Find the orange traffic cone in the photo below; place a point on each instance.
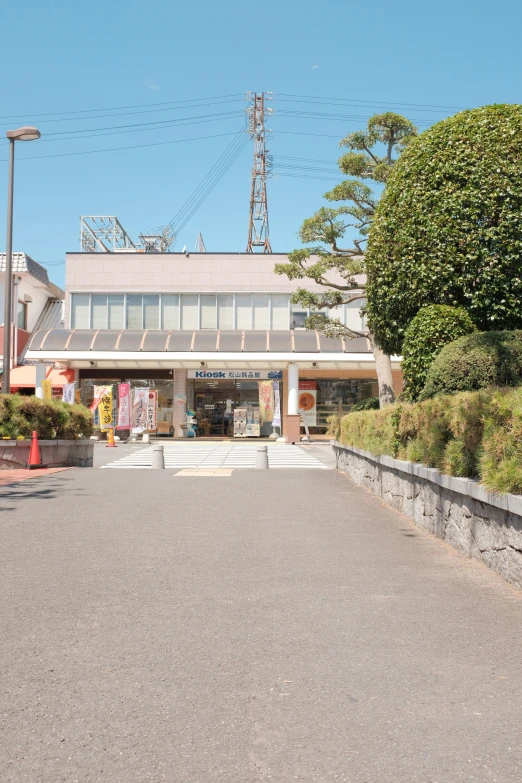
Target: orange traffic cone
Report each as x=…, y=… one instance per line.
x=110, y=440
x=35, y=459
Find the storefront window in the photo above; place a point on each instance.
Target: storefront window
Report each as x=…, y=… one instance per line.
x=338, y=396
x=165, y=397
x=216, y=401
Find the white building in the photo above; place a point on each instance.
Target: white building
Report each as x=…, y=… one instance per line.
x=36, y=303
x=202, y=329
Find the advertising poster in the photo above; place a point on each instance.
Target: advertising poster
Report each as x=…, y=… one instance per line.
x=123, y=406
x=105, y=410
x=47, y=389
x=266, y=400
x=152, y=411
x=139, y=410
x=308, y=402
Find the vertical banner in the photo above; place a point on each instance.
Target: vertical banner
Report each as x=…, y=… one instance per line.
x=123, y=406
x=68, y=393
x=105, y=410
x=47, y=390
x=308, y=402
x=99, y=391
x=139, y=410
x=152, y=411
x=266, y=400
x=276, y=421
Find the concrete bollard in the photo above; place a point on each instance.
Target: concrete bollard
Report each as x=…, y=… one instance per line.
x=262, y=458
x=158, y=456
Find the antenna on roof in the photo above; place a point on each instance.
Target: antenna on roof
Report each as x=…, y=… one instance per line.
x=200, y=245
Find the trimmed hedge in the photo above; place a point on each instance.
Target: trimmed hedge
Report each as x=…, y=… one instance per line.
x=476, y=362
x=432, y=328
x=447, y=228
x=471, y=434
x=20, y=415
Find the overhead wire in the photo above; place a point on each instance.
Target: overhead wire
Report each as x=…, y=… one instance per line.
x=117, y=149
x=209, y=182
x=117, y=108
x=372, y=102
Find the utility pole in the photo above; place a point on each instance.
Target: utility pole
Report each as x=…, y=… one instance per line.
x=258, y=232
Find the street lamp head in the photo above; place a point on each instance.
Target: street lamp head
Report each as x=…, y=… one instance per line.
x=26, y=133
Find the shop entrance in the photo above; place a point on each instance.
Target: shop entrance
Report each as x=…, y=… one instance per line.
x=216, y=401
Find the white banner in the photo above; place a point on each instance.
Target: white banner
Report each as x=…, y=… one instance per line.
x=152, y=409
x=139, y=410
x=276, y=421
x=68, y=393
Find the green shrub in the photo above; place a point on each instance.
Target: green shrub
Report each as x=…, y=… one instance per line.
x=20, y=415
x=470, y=434
x=371, y=404
x=432, y=328
x=475, y=362
x=447, y=228
x=334, y=426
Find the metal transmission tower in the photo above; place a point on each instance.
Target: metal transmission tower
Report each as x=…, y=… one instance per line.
x=258, y=232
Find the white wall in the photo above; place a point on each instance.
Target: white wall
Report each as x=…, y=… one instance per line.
x=31, y=287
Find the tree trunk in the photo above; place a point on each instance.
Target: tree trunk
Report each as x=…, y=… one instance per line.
x=384, y=374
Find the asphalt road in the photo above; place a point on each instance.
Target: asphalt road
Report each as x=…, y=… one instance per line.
x=271, y=626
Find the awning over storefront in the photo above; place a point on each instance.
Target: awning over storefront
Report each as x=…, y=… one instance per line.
x=147, y=348
x=24, y=377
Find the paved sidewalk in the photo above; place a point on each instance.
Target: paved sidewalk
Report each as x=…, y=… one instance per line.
x=271, y=626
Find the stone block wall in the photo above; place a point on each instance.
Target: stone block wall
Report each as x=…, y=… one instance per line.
x=480, y=524
x=54, y=453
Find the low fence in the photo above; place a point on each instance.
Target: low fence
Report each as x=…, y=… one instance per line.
x=55, y=453
x=480, y=524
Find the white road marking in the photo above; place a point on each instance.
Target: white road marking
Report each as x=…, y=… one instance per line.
x=222, y=455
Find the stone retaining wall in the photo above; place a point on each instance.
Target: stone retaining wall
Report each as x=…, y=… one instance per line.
x=55, y=453
x=480, y=524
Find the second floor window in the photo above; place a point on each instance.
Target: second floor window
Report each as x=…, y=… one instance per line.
x=258, y=311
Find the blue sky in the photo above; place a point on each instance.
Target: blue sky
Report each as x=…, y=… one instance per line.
x=71, y=57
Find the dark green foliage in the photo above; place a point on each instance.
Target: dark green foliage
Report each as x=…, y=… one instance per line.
x=448, y=228
x=475, y=362
x=20, y=415
x=472, y=434
x=371, y=404
x=433, y=327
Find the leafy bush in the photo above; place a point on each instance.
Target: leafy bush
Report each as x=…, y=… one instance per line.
x=471, y=434
x=334, y=426
x=371, y=404
x=476, y=362
x=20, y=415
x=446, y=230
x=433, y=327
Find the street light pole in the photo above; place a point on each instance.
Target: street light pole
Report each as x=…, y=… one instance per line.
x=6, y=375
x=22, y=134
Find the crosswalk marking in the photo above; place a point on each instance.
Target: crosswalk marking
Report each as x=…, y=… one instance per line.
x=223, y=455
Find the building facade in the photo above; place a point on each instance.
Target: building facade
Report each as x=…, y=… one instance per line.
x=37, y=303
x=203, y=330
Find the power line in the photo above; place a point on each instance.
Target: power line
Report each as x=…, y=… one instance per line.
x=208, y=183
x=116, y=149
x=145, y=111
x=167, y=123
x=117, y=108
x=309, y=160
x=311, y=115
x=371, y=102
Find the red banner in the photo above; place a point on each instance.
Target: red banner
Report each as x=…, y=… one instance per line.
x=123, y=406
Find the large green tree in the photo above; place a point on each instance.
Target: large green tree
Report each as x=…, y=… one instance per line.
x=448, y=229
x=338, y=264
